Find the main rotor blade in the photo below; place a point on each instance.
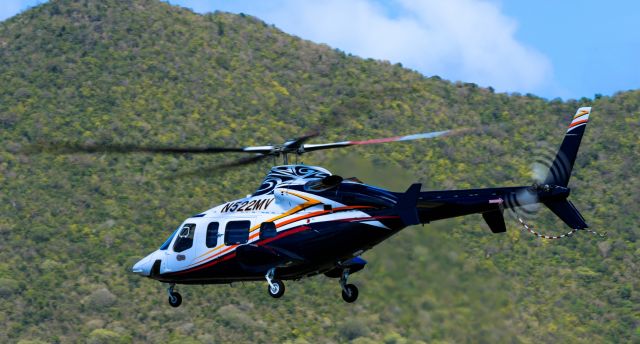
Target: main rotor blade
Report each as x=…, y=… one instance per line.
x=71, y=148
x=296, y=143
x=430, y=135
x=208, y=170
x=243, y=161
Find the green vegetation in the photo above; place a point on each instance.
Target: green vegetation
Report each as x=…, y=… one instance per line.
x=145, y=72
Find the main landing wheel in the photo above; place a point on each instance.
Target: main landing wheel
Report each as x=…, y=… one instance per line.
x=350, y=293
x=175, y=299
x=276, y=288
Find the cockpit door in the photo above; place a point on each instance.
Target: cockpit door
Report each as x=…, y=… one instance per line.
x=183, y=249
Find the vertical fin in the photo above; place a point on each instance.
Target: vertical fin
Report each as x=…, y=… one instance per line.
x=568, y=213
x=407, y=205
x=560, y=171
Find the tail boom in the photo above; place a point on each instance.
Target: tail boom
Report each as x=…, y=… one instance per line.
x=491, y=202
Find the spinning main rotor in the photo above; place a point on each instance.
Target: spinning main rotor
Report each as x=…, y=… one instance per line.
x=295, y=146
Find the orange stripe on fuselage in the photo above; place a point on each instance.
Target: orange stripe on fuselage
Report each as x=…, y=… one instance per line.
x=220, y=258
x=281, y=224
x=309, y=203
x=319, y=213
x=215, y=255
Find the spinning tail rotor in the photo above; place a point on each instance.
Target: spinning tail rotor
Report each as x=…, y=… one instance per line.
x=525, y=204
x=550, y=187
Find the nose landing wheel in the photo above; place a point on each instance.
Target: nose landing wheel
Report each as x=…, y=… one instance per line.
x=175, y=299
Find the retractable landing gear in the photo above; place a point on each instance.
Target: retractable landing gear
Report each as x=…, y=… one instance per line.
x=275, y=287
x=349, y=291
x=175, y=299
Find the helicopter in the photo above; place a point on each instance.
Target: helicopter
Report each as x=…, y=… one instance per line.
x=304, y=221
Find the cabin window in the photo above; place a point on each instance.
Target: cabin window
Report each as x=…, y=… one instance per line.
x=268, y=230
x=236, y=232
x=185, y=238
x=212, y=234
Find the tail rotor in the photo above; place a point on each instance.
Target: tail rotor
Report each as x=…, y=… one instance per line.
x=551, y=175
x=525, y=204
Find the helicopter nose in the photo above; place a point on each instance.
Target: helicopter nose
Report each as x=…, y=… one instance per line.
x=142, y=267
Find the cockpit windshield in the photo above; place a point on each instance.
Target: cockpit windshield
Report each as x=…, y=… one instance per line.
x=165, y=245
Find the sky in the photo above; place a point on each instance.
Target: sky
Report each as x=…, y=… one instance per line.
x=553, y=49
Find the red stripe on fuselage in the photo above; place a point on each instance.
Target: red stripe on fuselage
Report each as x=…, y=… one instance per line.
x=223, y=257
x=283, y=235
x=278, y=225
x=211, y=263
x=233, y=254
x=322, y=212
x=363, y=219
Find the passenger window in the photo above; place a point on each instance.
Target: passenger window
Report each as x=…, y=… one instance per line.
x=236, y=232
x=185, y=238
x=267, y=230
x=212, y=234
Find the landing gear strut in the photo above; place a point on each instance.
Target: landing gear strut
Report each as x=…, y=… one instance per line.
x=175, y=299
x=349, y=291
x=276, y=286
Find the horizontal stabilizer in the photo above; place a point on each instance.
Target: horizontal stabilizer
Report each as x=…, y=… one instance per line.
x=568, y=213
x=495, y=220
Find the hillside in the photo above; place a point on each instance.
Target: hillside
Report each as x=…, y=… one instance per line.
x=145, y=72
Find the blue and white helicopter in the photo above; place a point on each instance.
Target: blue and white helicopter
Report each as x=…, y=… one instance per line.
x=303, y=220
